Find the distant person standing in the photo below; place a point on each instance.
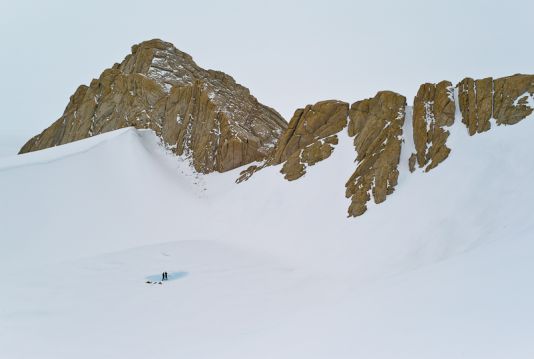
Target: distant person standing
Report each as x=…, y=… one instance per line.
x=163, y=276
x=166, y=276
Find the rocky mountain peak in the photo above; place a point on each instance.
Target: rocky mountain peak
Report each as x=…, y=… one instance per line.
x=201, y=114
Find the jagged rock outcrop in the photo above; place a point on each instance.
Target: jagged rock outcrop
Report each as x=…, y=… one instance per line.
x=376, y=125
x=203, y=114
x=433, y=112
x=482, y=102
x=308, y=139
x=504, y=100
x=513, y=98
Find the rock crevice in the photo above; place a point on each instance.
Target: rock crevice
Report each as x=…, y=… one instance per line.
x=433, y=113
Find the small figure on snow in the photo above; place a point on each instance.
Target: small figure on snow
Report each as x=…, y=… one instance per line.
x=163, y=276
x=166, y=276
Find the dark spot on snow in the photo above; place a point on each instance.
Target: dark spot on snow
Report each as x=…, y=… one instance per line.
x=170, y=276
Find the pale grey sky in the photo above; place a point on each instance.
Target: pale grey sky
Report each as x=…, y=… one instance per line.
x=288, y=53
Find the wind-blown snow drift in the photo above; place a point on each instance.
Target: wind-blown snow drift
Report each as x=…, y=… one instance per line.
x=273, y=268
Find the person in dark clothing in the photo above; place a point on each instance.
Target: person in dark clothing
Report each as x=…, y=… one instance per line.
x=163, y=276
x=166, y=276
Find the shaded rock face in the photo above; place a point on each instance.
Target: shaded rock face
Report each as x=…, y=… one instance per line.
x=202, y=114
x=433, y=112
x=504, y=100
x=376, y=125
x=309, y=138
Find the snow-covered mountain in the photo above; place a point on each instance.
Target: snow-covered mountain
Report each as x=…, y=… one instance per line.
x=160, y=165
x=206, y=117
x=266, y=268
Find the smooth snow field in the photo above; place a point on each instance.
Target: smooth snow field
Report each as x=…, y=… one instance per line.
x=267, y=268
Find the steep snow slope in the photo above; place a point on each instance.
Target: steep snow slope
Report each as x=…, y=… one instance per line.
x=267, y=268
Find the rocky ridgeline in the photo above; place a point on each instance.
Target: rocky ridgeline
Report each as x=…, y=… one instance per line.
x=376, y=125
x=207, y=117
x=202, y=114
x=482, y=103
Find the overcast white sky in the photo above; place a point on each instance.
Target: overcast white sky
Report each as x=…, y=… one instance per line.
x=288, y=53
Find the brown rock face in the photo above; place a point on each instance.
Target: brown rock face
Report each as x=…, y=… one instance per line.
x=511, y=96
x=475, y=99
x=433, y=112
x=308, y=139
x=504, y=99
x=203, y=114
x=310, y=136
x=376, y=125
